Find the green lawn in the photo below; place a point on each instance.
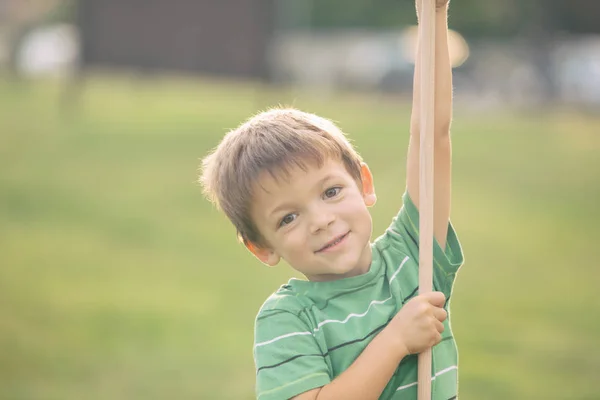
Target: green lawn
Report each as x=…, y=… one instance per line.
x=119, y=281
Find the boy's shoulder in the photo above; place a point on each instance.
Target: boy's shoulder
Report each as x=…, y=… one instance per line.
x=285, y=299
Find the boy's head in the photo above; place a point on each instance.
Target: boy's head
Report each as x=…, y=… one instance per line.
x=292, y=184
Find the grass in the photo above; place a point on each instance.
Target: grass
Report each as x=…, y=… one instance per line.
x=118, y=281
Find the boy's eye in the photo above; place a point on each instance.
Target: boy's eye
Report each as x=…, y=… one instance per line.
x=332, y=192
x=288, y=219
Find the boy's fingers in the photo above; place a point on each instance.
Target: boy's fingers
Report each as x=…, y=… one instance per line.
x=440, y=314
x=435, y=298
x=439, y=326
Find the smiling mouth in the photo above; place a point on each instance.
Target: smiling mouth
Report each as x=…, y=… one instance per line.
x=333, y=243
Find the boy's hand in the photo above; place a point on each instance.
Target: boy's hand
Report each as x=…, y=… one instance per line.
x=439, y=5
x=418, y=325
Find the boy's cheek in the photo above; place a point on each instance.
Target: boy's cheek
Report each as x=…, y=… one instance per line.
x=355, y=209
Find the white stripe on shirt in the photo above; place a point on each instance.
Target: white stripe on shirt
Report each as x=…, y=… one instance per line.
x=281, y=337
x=399, y=268
x=442, y=372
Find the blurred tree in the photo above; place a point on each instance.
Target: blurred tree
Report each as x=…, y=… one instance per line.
x=579, y=16
x=539, y=24
x=362, y=13
x=476, y=18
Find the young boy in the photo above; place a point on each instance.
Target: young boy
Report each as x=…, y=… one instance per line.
x=296, y=189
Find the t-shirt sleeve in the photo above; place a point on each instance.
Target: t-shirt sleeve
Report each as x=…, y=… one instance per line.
x=445, y=262
x=287, y=356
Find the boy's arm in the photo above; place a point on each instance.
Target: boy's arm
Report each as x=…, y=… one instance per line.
x=368, y=375
x=443, y=117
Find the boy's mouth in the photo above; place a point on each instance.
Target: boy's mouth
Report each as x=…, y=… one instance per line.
x=333, y=243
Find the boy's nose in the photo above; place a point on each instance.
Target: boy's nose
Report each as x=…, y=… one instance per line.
x=321, y=220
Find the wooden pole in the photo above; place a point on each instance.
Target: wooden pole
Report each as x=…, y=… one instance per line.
x=427, y=90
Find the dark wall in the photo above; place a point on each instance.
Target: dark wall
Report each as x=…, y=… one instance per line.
x=223, y=37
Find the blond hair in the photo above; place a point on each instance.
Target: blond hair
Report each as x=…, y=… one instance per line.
x=273, y=141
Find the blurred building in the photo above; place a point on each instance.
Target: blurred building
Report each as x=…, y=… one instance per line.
x=224, y=37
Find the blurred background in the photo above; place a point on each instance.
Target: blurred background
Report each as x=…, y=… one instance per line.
x=119, y=281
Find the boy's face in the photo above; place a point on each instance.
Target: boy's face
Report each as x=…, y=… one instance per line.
x=317, y=220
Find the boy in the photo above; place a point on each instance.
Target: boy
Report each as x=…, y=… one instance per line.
x=295, y=189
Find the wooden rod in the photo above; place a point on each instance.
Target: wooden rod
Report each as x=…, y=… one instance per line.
x=427, y=90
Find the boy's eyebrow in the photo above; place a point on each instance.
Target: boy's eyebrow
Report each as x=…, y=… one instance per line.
x=279, y=208
x=287, y=204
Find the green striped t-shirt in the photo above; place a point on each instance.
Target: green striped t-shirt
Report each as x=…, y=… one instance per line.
x=308, y=333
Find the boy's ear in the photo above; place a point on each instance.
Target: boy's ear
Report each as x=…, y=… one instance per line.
x=265, y=255
x=368, y=188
